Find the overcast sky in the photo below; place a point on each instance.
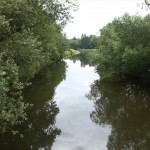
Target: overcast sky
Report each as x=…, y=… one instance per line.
x=94, y=14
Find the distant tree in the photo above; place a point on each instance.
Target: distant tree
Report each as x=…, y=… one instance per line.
x=85, y=42
x=94, y=40
x=74, y=43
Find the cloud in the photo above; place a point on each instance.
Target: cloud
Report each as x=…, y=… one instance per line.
x=94, y=14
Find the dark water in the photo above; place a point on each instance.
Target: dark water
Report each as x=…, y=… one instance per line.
x=73, y=110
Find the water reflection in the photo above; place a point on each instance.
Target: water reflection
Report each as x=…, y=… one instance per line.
x=78, y=132
x=83, y=58
x=39, y=131
x=126, y=109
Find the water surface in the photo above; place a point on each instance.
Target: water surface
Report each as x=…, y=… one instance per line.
x=74, y=110
x=78, y=130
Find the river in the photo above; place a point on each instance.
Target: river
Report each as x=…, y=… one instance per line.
x=74, y=110
x=78, y=130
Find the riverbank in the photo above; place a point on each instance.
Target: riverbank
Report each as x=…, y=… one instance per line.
x=71, y=52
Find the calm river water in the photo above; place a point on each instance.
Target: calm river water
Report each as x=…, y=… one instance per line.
x=73, y=110
x=78, y=130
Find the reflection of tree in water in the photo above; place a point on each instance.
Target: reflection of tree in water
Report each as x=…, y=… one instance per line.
x=39, y=130
x=84, y=59
x=126, y=108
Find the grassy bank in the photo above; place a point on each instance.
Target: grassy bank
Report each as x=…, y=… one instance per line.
x=70, y=53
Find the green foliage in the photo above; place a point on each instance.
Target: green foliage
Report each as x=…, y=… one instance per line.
x=125, y=49
x=39, y=131
x=12, y=108
x=30, y=37
x=70, y=53
x=74, y=43
x=86, y=42
x=24, y=49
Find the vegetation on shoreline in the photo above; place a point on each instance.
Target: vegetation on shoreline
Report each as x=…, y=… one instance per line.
x=71, y=52
x=30, y=37
x=124, y=51
x=85, y=42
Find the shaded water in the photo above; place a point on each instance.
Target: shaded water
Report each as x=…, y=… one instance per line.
x=73, y=110
x=39, y=130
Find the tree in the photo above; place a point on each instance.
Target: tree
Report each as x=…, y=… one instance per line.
x=85, y=42
x=30, y=37
x=124, y=48
x=12, y=107
x=94, y=42
x=39, y=131
x=74, y=43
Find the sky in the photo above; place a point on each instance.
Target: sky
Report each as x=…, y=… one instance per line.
x=92, y=15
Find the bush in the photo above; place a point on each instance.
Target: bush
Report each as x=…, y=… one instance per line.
x=124, y=50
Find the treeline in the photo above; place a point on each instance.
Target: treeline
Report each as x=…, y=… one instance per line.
x=85, y=42
x=30, y=37
x=124, y=51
